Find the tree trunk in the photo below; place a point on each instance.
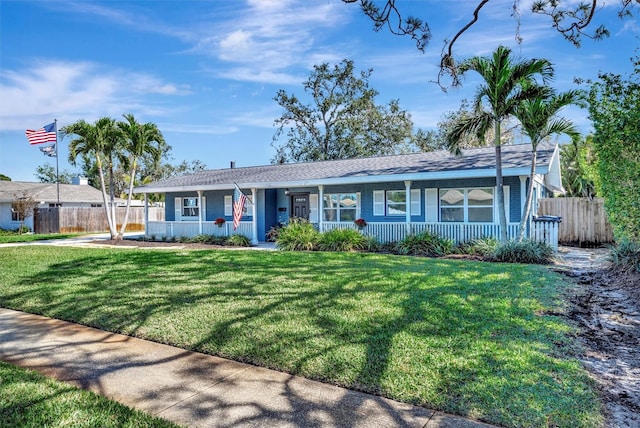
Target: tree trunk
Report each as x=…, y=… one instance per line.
x=527, y=205
x=499, y=185
x=110, y=219
x=126, y=212
x=112, y=197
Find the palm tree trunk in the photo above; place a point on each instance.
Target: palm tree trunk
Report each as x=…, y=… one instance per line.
x=110, y=219
x=527, y=205
x=126, y=212
x=499, y=184
x=112, y=196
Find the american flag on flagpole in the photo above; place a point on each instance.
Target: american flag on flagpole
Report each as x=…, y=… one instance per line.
x=238, y=206
x=46, y=134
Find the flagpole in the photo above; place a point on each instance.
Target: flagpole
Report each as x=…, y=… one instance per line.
x=55, y=126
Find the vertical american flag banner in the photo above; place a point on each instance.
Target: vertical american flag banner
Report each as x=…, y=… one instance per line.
x=238, y=206
x=46, y=134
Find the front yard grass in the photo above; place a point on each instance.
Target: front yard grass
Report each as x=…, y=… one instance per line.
x=12, y=237
x=28, y=399
x=475, y=339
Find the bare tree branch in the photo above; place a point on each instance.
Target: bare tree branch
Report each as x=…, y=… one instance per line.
x=572, y=21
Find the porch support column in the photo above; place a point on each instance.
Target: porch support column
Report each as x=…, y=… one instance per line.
x=407, y=187
x=200, y=212
x=254, y=216
x=146, y=215
x=319, y=207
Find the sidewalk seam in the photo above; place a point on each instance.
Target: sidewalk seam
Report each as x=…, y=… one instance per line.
x=206, y=388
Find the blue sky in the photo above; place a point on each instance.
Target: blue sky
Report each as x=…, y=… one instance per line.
x=206, y=72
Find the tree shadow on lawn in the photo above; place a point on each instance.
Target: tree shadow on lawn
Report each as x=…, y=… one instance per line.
x=435, y=333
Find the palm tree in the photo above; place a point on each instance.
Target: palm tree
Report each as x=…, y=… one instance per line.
x=506, y=83
x=539, y=120
x=96, y=142
x=140, y=140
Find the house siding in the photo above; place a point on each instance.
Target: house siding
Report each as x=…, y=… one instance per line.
x=367, y=190
x=273, y=205
x=214, y=205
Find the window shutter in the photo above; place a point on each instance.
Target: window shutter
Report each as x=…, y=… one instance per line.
x=178, y=208
x=204, y=208
x=431, y=205
x=228, y=205
x=416, y=201
x=507, y=204
x=313, y=208
x=378, y=202
x=358, y=205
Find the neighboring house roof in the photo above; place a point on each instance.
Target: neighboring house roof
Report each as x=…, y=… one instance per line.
x=441, y=164
x=47, y=192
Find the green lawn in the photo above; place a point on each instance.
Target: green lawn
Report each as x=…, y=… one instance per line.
x=11, y=237
x=464, y=337
x=28, y=399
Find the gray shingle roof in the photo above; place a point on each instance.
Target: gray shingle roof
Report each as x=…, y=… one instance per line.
x=47, y=192
x=415, y=165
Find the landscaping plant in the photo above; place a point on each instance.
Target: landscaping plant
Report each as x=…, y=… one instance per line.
x=425, y=244
x=238, y=241
x=298, y=235
x=626, y=255
x=525, y=251
x=343, y=240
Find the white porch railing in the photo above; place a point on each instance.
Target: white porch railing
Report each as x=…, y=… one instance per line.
x=188, y=229
x=459, y=232
x=385, y=232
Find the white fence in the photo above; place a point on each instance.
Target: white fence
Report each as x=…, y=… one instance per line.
x=545, y=231
x=186, y=229
x=459, y=232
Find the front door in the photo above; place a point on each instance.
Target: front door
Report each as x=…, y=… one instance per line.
x=300, y=206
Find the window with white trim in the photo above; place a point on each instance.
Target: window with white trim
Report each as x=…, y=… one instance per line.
x=394, y=202
x=190, y=207
x=473, y=205
x=341, y=206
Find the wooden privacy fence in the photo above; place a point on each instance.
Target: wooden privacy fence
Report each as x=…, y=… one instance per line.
x=584, y=220
x=85, y=219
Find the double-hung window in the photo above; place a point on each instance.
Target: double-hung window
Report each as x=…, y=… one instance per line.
x=474, y=205
x=340, y=206
x=190, y=207
x=394, y=202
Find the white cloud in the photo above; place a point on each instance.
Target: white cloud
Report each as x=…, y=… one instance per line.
x=73, y=90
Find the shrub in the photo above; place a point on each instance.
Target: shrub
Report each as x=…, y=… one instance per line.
x=238, y=241
x=525, y=251
x=483, y=247
x=273, y=232
x=626, y=255
x=199, y=239
x=387, y=247
x=373, y=245
x=425, y=244
x=342, y=240
x=298, y=235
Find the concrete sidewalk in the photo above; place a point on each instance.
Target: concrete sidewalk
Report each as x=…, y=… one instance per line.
x=194, y=389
